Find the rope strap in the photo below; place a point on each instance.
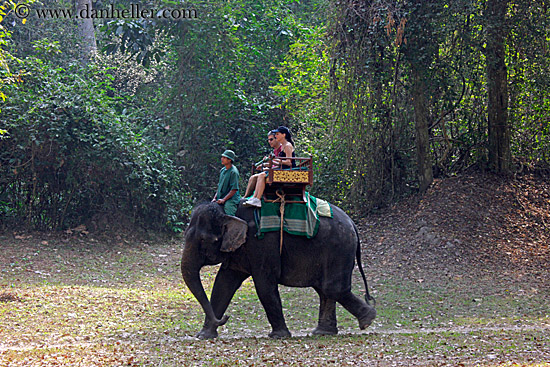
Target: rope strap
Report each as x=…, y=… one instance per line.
x=281, y=200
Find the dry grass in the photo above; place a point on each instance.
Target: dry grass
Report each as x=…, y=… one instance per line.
x=79, y=301
x=93, y=304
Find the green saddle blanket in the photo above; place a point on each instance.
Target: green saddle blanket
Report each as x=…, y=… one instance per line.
x=299, y=218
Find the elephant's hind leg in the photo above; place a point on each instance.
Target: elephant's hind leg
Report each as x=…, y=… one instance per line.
x=268, y=294
x=364, y=312
x=327, y=316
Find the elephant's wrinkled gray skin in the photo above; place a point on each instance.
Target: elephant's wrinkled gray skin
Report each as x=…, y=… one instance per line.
x=325, y=263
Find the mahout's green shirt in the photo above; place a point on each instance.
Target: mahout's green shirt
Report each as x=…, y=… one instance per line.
x=229, y=180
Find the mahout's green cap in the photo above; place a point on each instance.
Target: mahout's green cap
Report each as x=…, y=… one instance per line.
x=229, y=154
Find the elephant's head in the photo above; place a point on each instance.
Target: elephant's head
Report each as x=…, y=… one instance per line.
x=209, y=239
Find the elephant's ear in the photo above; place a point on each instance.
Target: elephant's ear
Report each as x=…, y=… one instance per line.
x=234, y=233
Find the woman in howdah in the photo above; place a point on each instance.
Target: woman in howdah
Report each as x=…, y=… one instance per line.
x=284, y=137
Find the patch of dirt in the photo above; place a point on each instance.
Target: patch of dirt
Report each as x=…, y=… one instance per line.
x=8, y=297
x=474, y=224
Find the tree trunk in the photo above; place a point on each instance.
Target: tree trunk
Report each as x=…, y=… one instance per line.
x=500, y=156
x=420, y=51
x=86, y=30
x=423, y=159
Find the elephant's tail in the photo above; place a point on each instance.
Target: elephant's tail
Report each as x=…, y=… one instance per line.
x=368, y=297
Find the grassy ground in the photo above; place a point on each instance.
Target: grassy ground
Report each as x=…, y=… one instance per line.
x=84, y=302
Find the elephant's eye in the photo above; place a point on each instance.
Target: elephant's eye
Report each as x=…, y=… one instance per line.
x=209, y=239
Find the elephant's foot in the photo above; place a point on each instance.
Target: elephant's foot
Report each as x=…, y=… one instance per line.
x=210, y=328
x=325, y=330
x=280, y=334
x=366, y=320
x=207, y=333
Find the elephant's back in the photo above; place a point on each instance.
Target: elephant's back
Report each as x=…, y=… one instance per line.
x=335, y=231
x=338, y=230
x=326, y=257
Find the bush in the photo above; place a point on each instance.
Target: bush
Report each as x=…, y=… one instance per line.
x=72, y=155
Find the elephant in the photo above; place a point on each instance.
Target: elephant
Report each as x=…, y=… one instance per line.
x=324, y=262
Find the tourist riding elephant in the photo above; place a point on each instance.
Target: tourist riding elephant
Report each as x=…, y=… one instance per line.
x=324, y=262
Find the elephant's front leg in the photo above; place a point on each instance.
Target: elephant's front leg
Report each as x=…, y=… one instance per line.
x=226, y=284
x=268, y=293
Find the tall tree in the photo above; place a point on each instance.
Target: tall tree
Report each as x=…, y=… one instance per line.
x=423, y=157
x=86, y=30
x=420, y=52
x=496, y=29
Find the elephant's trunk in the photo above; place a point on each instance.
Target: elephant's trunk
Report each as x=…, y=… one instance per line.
x=190, y=270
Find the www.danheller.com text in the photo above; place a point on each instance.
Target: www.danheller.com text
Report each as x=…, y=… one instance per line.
x=135, y=11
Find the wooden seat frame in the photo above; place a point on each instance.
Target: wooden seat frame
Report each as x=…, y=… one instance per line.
x=290, y=182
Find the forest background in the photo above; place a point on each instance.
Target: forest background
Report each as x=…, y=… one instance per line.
x=124, y=120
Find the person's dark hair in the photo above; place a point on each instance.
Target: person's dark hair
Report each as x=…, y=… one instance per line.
x=286, y=131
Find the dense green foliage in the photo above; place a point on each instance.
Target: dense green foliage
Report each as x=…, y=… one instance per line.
x=73, y=154
x=528, y=59
x=137, y=133
x=359, y=105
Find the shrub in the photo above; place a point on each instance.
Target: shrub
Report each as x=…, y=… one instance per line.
x=73, y=155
